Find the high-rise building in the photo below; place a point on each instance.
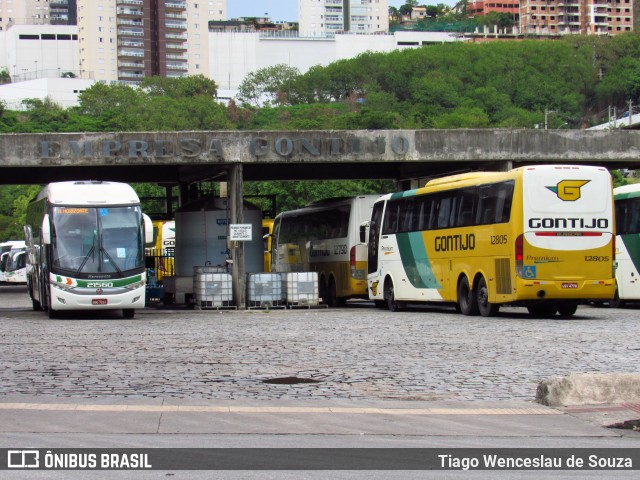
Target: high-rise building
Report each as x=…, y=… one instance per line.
x=128, y=40
x=36, y=12
x=600, y=17
x=327, y=17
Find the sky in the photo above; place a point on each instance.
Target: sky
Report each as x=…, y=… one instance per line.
x=283, y=10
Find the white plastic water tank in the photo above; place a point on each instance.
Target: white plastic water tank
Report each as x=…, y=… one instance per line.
x=264, y=290
x=301, y=288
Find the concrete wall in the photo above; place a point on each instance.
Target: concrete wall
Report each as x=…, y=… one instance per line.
x=30, y=59
x=63, y=91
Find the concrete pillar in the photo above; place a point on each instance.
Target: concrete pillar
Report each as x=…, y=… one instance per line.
x=168, y=189
x=506, y=166
x=236, y=212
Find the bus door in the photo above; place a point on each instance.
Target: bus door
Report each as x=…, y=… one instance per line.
x=372, y=257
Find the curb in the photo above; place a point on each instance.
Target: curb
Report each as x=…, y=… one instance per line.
x=589, y=389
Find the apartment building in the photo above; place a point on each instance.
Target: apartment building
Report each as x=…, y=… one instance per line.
x=599, y=17
x=482, y=7
x=328, y=17
x=36, y=12
x=127, y=40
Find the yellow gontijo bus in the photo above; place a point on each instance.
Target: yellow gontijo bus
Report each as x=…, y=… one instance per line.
x=267, y=230
x=540, y=237
x=324, y=237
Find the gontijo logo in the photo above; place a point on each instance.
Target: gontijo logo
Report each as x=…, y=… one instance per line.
x=568, y=190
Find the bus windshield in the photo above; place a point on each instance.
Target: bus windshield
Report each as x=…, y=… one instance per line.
x=97, y=239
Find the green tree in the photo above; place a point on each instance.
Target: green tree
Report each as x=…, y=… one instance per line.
x=4, y=76
x=115, y=106
x=181, y=87
x=269, y=85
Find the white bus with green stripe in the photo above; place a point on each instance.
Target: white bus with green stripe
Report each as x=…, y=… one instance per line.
x=627, y=207
x=85, y=248
x=540, y=237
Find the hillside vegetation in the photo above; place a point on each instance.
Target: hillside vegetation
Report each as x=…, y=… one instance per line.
x=571, y=83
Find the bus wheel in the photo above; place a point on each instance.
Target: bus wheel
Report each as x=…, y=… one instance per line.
x=332, y=298
x=486, y=309
x=128, y=313
x=392, y=303
x=615, y=302
x=567, y=309
x=467, y=298
x=35, y=304
x=324, y=294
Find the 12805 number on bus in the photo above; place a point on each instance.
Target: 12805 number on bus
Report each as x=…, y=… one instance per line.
x=498, y=239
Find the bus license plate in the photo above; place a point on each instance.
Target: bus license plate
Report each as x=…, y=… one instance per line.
x=570, y=285
x=99, y=301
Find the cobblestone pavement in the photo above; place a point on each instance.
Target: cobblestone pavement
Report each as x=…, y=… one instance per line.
x=357, y=352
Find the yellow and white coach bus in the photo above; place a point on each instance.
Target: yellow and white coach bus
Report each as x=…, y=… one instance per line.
x=85, y=248
x=540, y=237
x=324, y=237
x=627, y=207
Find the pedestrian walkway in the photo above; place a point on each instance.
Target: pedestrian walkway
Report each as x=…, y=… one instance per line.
x=170, y=416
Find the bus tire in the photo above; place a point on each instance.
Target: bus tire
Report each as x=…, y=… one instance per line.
x=392, y=303
x=324, y=294
x=467, y=300
x=485, y=308
x=128, y=313
x=35, y=304
x=567, y=309
x=615, y=302
x=332, y=296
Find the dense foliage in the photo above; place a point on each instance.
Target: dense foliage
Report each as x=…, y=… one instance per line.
x=452, y=85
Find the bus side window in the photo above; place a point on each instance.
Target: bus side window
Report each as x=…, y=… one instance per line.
x=505, y=195
x=409, y=219
x=445, y=211
x=391, y=218
x=465, y=215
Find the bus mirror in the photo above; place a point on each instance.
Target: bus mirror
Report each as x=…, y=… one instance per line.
x=148, y=230
x=363, y=232
x=46, y=230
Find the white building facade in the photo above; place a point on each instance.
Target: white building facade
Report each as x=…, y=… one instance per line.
x=233, y=55
x=328, y=17
x=29, y=52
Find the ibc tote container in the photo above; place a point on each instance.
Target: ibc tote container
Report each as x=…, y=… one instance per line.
x=264, y=290
x=301, y=288
x=212, y=288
